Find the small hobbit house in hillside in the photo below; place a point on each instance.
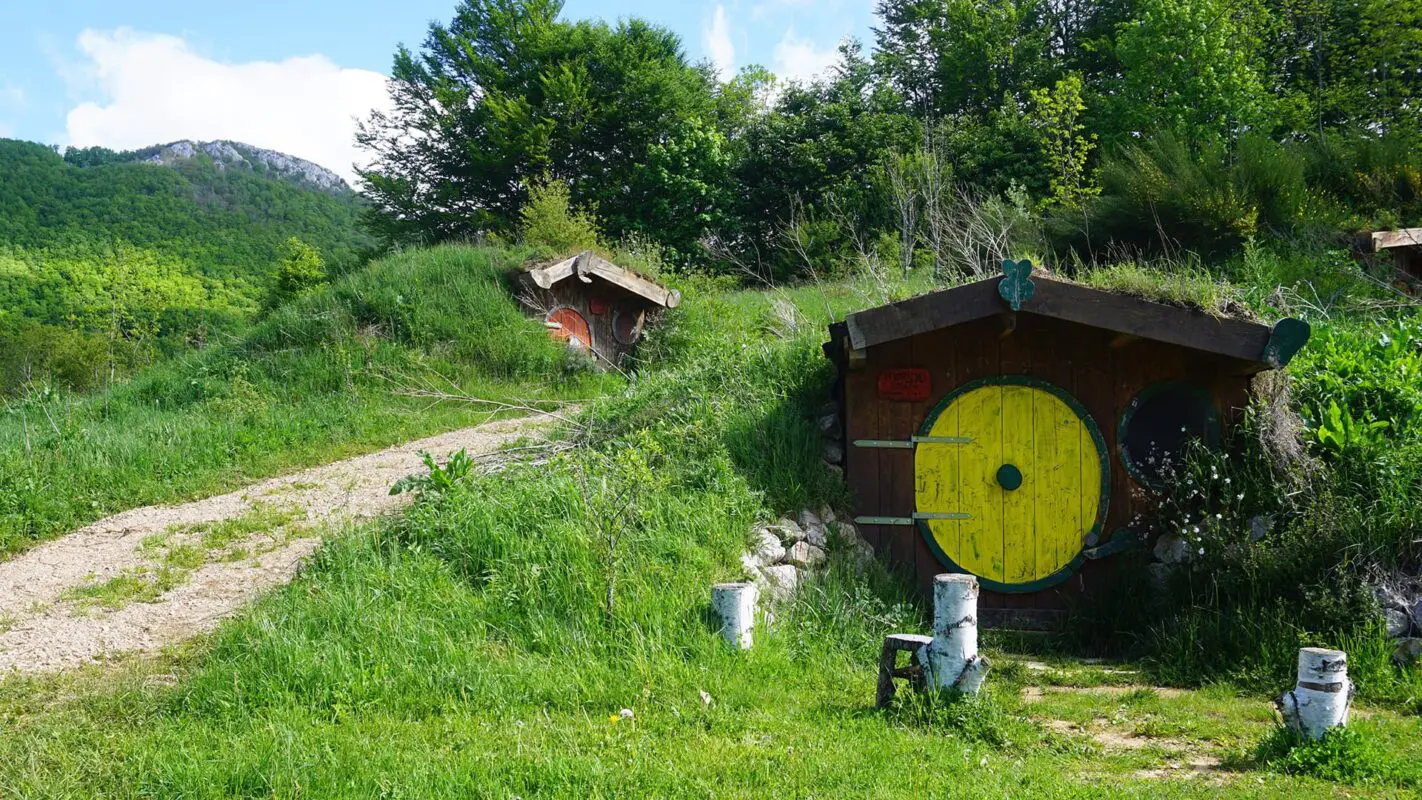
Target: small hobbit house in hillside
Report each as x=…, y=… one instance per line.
x=1405, y=248
x=594, y=305
x=1015, y=428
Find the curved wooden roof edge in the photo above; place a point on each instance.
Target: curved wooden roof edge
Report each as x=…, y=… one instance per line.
x=587, y=264
x=1135, y=316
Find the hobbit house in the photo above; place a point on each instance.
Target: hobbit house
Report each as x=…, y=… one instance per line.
x=1015, y=428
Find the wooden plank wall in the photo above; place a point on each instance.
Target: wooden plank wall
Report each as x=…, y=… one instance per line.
x=1078, y=358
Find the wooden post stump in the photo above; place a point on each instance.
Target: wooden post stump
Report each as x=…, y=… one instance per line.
x=951, y=660
x=735, y=605
x=1321, y=698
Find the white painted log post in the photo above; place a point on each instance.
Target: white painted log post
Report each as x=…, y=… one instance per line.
x=735, y=604
x=1320, y=700
x=951, y=660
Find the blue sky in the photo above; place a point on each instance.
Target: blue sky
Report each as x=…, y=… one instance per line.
x=292, y=74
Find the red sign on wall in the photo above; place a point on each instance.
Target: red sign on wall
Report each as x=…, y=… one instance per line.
x=912, y=385
x=598, y=306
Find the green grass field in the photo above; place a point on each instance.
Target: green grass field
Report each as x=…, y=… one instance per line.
x=384, y=671
x=318, y=380
x=487, y=642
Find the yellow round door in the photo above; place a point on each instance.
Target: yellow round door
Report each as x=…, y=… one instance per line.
x=1011, y=480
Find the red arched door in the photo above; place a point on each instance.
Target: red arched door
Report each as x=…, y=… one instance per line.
x=566, y=324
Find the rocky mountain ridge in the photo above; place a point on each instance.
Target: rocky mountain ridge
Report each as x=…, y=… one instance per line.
x=228, y=154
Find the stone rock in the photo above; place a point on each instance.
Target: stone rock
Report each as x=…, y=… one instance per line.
x=245, y=157
x=835, y=470
x=751, y=563
x=829, y=427
x=1417, y=614
x=788, y=531
x=780, y=581
x=767, y=548
x=827, y=514
x=1259, y=526
x=805, y=555
x=834, y=452
x=863, y=554
x=815, y=531
x=1390, y=597
x=1408, y=651
x=826, y=409
x=818, y=536
x=1158, y=576
x=1399, y=624
x=1172, y=549
x=845, y=534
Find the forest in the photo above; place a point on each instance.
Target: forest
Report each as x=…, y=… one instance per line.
x=1073, y=130
x=107, y=264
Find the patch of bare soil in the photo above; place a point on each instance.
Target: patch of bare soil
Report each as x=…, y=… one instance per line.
x=1032, y=694
x=43, y=627
x=1183, y=760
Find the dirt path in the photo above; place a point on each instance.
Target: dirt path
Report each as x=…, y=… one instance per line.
x=153, y=576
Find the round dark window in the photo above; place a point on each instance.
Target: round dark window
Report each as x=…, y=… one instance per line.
x=627, y=326
x=1158, y=426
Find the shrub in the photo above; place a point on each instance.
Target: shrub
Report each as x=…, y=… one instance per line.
x=300, y=271
x=548, y=220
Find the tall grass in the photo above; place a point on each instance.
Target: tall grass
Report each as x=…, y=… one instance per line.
x=470, y=648
x=319, y=379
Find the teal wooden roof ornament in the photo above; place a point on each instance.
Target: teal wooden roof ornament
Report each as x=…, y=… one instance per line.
x=1016, y=286
x=1285, y=341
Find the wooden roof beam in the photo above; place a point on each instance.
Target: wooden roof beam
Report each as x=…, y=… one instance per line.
x=1122, y=314
x=588, y=264
x=1378, y=241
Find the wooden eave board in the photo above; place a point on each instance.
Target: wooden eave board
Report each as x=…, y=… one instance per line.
x=1185, y=327
x=630, y=281
x=589, y=264
x=1388, y=240
x=545, y=277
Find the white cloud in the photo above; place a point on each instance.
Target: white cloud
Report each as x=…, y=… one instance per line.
x=156, y=89
x=716, y=38
x=799, y=59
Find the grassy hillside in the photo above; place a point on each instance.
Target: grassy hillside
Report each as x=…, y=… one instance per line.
x=224, y=223
x=108, y=265
x=469, y=649
x=319, y=379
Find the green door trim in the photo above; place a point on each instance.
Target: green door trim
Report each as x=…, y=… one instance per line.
x=1103, y=507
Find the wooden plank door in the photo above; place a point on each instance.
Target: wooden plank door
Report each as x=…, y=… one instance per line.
x=1011, y=480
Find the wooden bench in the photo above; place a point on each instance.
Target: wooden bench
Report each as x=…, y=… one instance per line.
x=889, y=668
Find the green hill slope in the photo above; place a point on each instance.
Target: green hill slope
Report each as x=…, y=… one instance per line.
x=320, y=378
x=497, y=641
x=222, y=222
x=110, y=261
